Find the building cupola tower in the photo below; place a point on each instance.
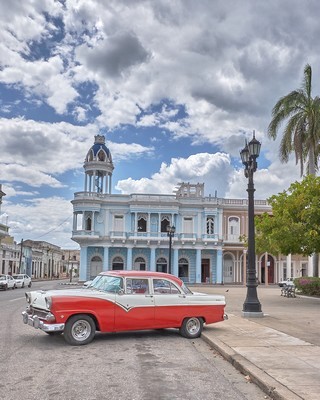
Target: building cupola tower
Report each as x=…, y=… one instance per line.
x=98, y=167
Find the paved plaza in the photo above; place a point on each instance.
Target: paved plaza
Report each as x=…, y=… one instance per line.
x=281, y=351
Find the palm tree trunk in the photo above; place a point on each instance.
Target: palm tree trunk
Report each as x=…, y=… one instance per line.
x=312, y=171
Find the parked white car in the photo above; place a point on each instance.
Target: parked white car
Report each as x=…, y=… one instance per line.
x=7, y=282
x=22, y=280
x=288, y=281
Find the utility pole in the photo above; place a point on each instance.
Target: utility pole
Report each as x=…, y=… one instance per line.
x=70, y=269
x=20, y=258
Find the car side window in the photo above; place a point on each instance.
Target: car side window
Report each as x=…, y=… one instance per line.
x=162, y=286
x=137, y=286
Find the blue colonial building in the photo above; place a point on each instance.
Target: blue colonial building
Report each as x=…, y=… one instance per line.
x=117, y=231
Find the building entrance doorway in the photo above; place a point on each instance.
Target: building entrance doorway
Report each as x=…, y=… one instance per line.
x=205, y=270
x=95, y=266
x=270, y=269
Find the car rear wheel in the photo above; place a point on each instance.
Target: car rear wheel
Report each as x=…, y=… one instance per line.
x=5, y=287
x=22, y=285
x=29, y=284
x=191, y=328
x=79, y=330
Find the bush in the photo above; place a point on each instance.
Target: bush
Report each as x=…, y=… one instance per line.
x=308, y=285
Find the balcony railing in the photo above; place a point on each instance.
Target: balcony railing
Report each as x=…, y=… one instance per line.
x=83, y=232
x=148, y=235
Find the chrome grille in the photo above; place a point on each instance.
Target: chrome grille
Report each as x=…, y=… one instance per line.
x=38, y=312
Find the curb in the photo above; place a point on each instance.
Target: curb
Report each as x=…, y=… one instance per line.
x=269, y=385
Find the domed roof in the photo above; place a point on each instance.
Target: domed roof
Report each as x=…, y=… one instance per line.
x=99, y=151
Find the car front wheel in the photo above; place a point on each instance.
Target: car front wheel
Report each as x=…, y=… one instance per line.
x=79, y=330
x=191, y=328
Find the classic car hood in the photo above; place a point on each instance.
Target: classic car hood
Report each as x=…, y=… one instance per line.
x=38, y=297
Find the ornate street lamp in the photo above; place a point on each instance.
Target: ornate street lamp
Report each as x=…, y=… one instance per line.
x=170, y=232
x=249, y=155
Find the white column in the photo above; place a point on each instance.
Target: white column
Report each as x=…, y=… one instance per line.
x=152, y=266
x=110, y=183
x=289, y=266
x=310, y=266
x=198, y=266
x=105, y=259
x=219, y=267
x=83, y=264
x=175, y=266
x=129, y=258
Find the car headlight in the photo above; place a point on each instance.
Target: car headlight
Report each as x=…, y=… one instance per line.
x=28, y=297
x=48, y=302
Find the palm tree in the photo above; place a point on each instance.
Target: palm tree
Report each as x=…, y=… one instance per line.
x=302, y=131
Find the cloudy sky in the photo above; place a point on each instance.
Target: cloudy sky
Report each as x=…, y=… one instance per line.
x=176, y=86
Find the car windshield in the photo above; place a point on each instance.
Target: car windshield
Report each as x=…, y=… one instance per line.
x=111, y=284
x=185, y=289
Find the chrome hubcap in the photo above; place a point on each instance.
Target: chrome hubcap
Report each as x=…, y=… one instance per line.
x=193, y=326
x=81, y=330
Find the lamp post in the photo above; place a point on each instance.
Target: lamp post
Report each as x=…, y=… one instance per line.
x=170, y=232
x=249, y=155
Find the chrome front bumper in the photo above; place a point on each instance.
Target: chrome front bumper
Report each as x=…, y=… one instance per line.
x=37, y=323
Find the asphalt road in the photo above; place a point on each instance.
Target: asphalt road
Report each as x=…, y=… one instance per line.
x=146, y=365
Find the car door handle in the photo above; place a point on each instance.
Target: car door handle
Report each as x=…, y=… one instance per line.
x=182, y=296
x=149, y=295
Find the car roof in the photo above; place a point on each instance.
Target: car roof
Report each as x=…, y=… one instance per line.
x=142, y=274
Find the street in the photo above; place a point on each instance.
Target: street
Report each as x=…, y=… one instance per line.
x=138, y=365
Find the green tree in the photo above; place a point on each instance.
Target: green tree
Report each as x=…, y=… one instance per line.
x=301, y=112
x=294, y=226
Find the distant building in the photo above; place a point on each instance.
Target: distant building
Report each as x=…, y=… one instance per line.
x=70, y=262
x=45, y=258
x=4, y=229
x=9, y=256
x=117, y=231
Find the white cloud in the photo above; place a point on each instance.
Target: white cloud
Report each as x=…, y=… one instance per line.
x=212, y=169
x=40, y=219
x=219, y=69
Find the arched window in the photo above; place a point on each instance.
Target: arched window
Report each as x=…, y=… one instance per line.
x=210, y=225
x=88, y=224
x=184, y=269
x=90, y=156
x=162, y=265
x=234, y=229
x=117, y=263
x=164, y=223
x=101, y=155
x=139, y=264
x=142, y=224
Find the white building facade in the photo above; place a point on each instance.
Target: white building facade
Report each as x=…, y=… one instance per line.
x=117, y=231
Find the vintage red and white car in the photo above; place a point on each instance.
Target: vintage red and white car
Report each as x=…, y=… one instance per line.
x=118, y=301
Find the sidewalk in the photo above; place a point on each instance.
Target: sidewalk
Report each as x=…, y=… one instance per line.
x=286, y=367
